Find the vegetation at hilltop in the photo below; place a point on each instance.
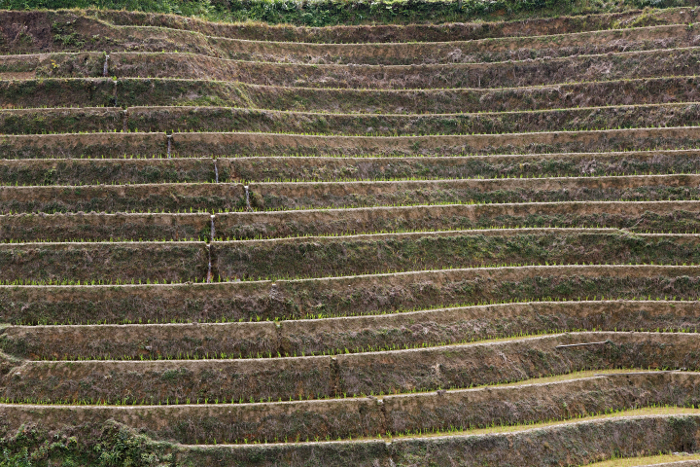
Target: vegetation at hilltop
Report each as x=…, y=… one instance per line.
x=343, y=12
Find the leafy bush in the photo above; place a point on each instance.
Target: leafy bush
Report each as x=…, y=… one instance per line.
x=108, y=445
x=333, y=12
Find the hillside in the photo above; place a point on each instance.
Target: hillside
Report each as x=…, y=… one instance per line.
x=349, y=234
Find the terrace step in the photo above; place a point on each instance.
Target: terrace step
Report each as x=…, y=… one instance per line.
x=635, y=216
x=86, y=227
x=204, y=119
x=319, y=168
x=106, y=171
x=307, y=257
x=105, y=262
x=88, y=34
x=483, y=446
x=236, y=144
x=330, y=336
x=393, y=415
x=224, y=197
x=596, y=436
x=672, y=216
x=322, y=377
x=388, y=33
x=74, y=31
x=34, y=172
x=121, y=145
x=373, y=254
x=341, y=296
x=583, y=68
x=130, y=92
x=279, y=196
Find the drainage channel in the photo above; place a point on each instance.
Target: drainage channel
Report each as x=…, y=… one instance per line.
x=211, y=240
x=247, y=199
x=212, y=219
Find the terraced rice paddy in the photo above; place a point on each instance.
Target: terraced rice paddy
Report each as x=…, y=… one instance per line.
x=429, y=245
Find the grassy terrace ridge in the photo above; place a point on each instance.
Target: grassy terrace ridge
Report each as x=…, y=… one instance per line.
x=244, y=144
x=178, y=262
x=65, y=303
x=334, y=336
x=623, y=65
x=297, y=168
x=73, y=33
x=231, y=197
x=387, y=33
x=633, y=216
x=166, y=382
x=395, y=416
x=104, y=171
x=596, y=437
x=319, y=168
x=495, y=75
x=224, y=119
x=57, y=93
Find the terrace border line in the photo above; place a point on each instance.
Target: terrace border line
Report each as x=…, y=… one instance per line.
x=207, y=119
x=352, y=374
x=391, y=33
x=290, y=299
x=261, y=196
x=393, y=414
x=217, y=46
x=223, y=144
x=192, y=261
x=265, y=169
x=634, y=64
x=245, y=144
x=433, y=327
x=58, y=93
